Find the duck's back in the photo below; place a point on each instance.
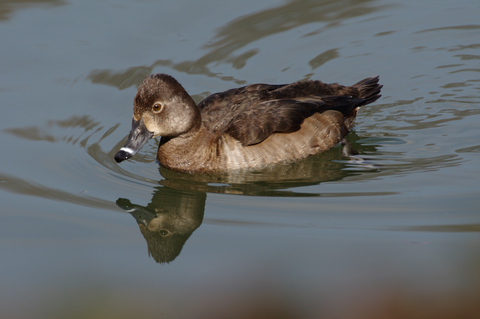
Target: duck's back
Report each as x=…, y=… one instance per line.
x=252, y=113
x=220, y=108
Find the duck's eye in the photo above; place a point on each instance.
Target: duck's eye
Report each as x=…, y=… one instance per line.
x=164, y=232
x=157, y=107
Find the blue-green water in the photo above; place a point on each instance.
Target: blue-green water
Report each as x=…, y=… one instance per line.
x=394, y=233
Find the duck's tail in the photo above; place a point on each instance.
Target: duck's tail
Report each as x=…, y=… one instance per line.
x=369, y=89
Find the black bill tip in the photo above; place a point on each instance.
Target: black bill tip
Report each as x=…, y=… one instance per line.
x=123, y=154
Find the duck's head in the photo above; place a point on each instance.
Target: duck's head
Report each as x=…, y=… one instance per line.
x=161, y=107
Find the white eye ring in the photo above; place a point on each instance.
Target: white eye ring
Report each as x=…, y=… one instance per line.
x=157, y=107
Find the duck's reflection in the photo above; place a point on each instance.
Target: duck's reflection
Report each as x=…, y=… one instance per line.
x=168, y=221
x=178, y=203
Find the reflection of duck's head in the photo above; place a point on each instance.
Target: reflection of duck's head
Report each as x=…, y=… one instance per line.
x=165, y=235
x=168, y=220
x=247, y=127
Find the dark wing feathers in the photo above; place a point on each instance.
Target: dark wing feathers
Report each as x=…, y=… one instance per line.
x=343, y=104
x=252, y=113
x=219, y=109
x=283, y=116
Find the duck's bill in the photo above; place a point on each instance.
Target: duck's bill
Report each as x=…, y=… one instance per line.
x=139, y=135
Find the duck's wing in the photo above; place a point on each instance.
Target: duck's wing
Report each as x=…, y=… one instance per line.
x=255, y=124
x=219, y=109
x=252, y=113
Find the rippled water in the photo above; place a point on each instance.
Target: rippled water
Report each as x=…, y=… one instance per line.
x=391, y=233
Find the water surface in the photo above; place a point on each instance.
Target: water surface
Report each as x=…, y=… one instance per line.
x=394, y=232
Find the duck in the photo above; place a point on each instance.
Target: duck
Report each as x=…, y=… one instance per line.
x=243, y=128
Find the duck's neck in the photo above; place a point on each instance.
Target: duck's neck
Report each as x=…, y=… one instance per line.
x=195, y=150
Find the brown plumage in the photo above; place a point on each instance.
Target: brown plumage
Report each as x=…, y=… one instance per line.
x=246, y=127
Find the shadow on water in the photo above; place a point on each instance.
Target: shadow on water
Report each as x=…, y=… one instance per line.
x=231, y=38
x=21, y=186
x=8, y=7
